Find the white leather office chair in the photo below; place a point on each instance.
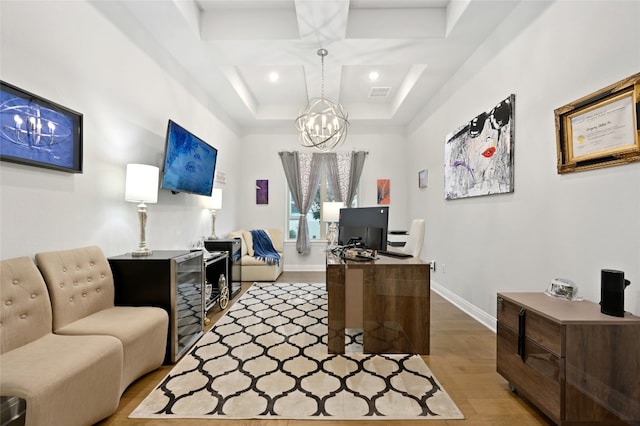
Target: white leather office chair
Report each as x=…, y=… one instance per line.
x=416, y=238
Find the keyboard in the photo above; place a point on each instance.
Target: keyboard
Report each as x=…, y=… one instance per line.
x=394, y=254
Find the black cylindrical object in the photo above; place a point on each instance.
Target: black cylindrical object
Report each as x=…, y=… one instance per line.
x=612, y=285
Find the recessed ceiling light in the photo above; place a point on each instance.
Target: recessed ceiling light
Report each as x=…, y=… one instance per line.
x=273, y=76
x=374, y=75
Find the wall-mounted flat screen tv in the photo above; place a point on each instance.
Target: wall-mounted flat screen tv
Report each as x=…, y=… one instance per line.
x=189, y=162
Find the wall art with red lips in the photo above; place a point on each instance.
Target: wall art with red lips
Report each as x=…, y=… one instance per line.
x=479, y=154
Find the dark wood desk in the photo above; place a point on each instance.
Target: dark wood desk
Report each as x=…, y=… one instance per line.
x=389, y=298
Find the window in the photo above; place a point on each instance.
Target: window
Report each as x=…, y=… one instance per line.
x=324, y=193
x=317, y=228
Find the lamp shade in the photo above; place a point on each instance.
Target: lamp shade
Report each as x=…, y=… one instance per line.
x=331, y=211
x=141, y=183
x=215, y=202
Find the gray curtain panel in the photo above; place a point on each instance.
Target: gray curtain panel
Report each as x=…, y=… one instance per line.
x=303, y=245
x=357, y=164
x=291, y=168
x=302, y=172
x=292, y=173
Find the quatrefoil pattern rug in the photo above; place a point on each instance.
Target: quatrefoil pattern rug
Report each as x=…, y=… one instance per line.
x=267, y=358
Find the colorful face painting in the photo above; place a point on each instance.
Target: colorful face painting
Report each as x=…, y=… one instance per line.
x=479, y=155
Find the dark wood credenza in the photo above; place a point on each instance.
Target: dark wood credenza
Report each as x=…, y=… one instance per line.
x=577, y=365
x=388, y=298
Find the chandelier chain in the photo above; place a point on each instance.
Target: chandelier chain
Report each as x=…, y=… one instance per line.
x=322, y=76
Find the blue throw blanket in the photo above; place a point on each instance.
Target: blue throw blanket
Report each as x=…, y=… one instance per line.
x=263, y=248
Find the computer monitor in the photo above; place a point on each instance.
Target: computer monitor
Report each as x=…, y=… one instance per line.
x=366, y=225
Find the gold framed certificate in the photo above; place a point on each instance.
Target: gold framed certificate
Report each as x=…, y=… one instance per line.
x=601, y=129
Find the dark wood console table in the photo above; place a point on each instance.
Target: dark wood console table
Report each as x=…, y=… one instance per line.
x=388, y=298
x=577, y=365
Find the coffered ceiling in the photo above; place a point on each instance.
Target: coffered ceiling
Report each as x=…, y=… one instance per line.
x=224, y=51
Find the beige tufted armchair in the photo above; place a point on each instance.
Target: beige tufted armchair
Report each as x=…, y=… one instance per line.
x=65, y=380
x=81, y=288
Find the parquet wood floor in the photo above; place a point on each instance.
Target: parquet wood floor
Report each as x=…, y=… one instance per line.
x=463, y=358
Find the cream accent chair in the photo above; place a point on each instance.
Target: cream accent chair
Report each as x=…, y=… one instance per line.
x=80, y=284
x=254, y=269
x=65, y=380
x=415, y=241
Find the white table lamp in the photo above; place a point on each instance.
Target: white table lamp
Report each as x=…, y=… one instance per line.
x=215, y=203
x=141, y=187
x=331, y=215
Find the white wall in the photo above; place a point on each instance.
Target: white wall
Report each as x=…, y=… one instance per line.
x=553, y=225
x=66, y=52
x=386, y=160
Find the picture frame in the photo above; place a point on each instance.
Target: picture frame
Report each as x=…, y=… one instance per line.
x=221, y=177
x=479, y=154
x=422, y=178
x=383, y=189
x=601, y=129
x=262, y=191
x=37, y=132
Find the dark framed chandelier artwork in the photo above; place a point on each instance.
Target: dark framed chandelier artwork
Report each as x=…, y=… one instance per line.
x=37, y=132
x=479, y=154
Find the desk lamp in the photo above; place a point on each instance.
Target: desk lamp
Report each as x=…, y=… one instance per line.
x=331, y=214
x=141, y=187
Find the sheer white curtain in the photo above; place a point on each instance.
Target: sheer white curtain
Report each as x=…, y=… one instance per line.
x=343, y=174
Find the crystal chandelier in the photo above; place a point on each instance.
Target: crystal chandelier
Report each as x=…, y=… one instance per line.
x=322, y=123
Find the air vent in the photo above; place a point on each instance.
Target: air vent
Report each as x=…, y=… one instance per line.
x=379, y=92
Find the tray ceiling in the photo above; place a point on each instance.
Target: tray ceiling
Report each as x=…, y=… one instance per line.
x=224, y=51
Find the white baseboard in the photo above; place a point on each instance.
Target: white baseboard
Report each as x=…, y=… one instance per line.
x=305, y=268
x=474, y=312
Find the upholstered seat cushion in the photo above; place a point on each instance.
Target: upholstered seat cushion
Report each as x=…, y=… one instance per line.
x=139, y=328
x=261, y=273
x=252, y=261
x=65, y=380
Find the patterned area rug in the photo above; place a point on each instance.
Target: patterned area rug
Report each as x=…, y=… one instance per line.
x=267, y=358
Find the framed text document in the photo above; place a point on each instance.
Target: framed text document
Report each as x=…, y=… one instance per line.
x=601, y=129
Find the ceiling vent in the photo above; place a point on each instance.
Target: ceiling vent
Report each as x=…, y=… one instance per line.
x=379, y=92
